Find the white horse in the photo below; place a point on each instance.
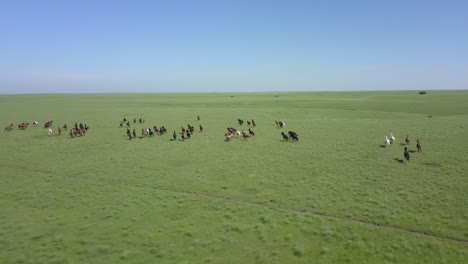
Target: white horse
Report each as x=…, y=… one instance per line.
x=36, y=123
x=49, y=132
x=387, y=141
x=392, y=138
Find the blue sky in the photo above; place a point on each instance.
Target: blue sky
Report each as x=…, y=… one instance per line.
x=223, y=46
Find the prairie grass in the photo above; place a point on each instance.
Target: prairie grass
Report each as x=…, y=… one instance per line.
x=335, y=196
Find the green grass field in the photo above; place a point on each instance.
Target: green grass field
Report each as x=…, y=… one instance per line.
x=336, y=196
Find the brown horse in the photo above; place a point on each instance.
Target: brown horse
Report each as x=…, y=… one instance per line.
x=245, y=135
x=228, y=136
x=419, y=146
x=9, y=127
x=23, y=126
x=48, y=124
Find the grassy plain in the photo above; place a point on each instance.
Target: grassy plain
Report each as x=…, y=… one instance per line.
x=336, y=196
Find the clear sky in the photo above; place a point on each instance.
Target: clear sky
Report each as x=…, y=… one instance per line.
x=232, y=45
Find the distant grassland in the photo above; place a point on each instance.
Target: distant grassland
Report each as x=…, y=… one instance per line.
x=335, y=196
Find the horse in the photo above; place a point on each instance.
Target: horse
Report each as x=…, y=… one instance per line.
x=406, y=154
x=407, y=140
x=392, y=138
x=129, y=134
x=285, y=137
x=294, y=137
x=48, y=124
x=280, y=124
x=49, y=132
x=36, y=123
x=245, y=135
x=293, y=134
x=228, y=136
x=191, y=128
x=9, y=127
x=419, y=146
x=23, y=125
x=387, y=141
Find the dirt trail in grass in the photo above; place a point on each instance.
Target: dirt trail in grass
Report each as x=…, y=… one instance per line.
x=314, y=214
x=277, y=208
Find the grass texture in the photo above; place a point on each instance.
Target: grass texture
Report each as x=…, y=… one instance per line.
x=336, y=196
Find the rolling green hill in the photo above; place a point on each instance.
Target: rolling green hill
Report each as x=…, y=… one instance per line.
x=334, y=196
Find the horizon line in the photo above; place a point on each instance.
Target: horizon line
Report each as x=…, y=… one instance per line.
x=235, y=92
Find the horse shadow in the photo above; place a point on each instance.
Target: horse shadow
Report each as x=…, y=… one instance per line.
x=383, y=146
x=412, y=151
x=402, y=144
x=399, y=160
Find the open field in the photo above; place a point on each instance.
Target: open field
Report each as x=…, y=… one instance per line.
x=336, y=196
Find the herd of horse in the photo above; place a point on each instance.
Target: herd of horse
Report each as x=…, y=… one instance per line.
x=390, y=140
x=78, y=130
x=21, y=126
x=186, y=132
x=245, y=134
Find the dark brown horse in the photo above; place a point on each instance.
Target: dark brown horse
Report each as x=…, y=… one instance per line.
x=23, y=126
x=48, y=124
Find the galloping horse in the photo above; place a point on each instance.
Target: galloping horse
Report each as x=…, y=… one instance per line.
x=48, y=124
x=419, y=146
x=23, y=126
x=245, y=135
x=280, y=124
x=9, y=127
